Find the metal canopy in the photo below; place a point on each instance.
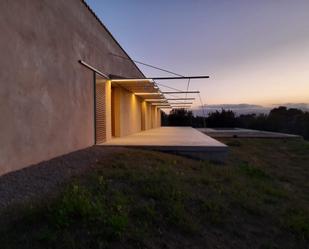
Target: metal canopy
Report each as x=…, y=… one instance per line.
x=147, y=88
x=180, y=103
x=161, y=100
x=144, y=88
x=181, y=99
x=180, y=77
x=181, y=92
x=170, y=78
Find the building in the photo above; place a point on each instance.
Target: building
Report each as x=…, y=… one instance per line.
x=63, y=83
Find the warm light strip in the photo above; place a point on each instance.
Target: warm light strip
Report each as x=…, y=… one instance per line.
x=131, y=80
x=180, y=92
x=181, y=103
x=160, y=105
x=145, y=93
x=157, y=100
x=181, y=106
x=170, y=107
x=182, y=99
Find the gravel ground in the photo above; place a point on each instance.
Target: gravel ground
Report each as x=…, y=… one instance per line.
x=41, y=179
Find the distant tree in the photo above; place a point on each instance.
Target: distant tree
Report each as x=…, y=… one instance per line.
x=252, y=121
x=279, y=119
x=180, y=117
x=199, y=122
x=284, y=120
x=305, y=126
x=164, y=119
x=222, y=119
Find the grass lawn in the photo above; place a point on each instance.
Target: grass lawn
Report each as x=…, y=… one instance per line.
x=141, y=199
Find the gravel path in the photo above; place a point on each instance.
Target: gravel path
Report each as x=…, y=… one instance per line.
x=39, y=180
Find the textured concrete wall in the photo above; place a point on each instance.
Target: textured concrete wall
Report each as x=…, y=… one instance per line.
x=128, y=112
x=155, y=117
x=108, y=110
x=46, y=96
x=158, y=118
x=146, y=115
x=117, y=111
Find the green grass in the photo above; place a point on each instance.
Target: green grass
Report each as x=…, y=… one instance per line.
x=141, y=199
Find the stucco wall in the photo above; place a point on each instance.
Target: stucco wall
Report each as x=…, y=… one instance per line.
x=155, y=117
x=146, y=115
x=158, y=118
x=108, y=110
x=128, y=112
x=46, y=96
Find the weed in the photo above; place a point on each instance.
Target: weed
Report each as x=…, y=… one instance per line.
x=297, y=220
x=213, y=212
x=273, y=191
x=234, y=143
x=76, y=203
x=145, y=212
x=116, y=225
x=253, y=171
x=139, y=198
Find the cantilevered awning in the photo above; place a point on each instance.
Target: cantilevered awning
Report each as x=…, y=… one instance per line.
x=144, y=88
x=147, y=88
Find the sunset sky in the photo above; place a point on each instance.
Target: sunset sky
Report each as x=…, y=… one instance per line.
x=255, y=52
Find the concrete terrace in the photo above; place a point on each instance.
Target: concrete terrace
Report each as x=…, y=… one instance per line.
x=244, y=133
x=181, y=140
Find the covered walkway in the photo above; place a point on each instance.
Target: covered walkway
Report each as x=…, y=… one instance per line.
x=180, y=140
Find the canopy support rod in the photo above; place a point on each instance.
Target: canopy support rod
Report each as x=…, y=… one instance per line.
x=180, y=92
x=181, y=77
x=181, y=99
x=164, y=78
x=180, y=103
x=93, y=69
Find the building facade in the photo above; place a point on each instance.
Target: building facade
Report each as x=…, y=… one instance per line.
x=50, y=103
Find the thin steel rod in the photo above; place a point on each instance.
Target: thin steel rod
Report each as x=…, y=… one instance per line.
x=180, y=103
x=187, y=87
x=172, y=88
x=202, y=110
x=180, y=77
x=174, y=107
x=164, y=78
x=148, y=65
x=93, y=69
x=181, y=92
x=181, y=99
